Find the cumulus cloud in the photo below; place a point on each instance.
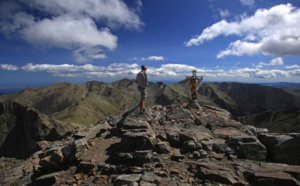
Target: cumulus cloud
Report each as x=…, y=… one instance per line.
x=247, y=2
x=80, y=26
x=224, y=13
x=295, y=72
x=273, y=31
x=292, y=67
x=257, y=73
x=164, y=71
x=150, y=58
x=114, y=13
x=153, y=58
x=274, y=62
x=30, y=67
x=239, y=48
x=67, y=32
x=84, y=54
x=87, y=70
x=8, y=67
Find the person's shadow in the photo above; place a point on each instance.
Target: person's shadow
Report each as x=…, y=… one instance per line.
x=125, y=115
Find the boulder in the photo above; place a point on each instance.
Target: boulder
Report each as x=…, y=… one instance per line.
x=143, y=156
x=189, y=146
x=74, y=149
x=217, y=172
x=272, y=178
x=150, y=177
x=132, y=141
x=176, y=155
x=135, y=124
x=282, y=148
x=163, y=147
x=248, y=147
x=127, y=179
x=174, y=139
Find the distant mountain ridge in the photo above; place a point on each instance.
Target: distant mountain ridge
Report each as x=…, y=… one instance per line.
x=280, y=121
x=280, y=84
x=245, y=99
x=87, y=103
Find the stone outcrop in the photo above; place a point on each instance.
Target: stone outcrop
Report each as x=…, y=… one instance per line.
x=21, y=127
x=282, y=148
x=169, y=145
x=247, y=147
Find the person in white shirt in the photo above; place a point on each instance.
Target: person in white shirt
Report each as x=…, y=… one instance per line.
x=142, y=81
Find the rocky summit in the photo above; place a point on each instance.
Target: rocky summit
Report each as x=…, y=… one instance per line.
x=179, y=144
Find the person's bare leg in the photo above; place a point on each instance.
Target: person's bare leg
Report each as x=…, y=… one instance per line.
x=141, y=105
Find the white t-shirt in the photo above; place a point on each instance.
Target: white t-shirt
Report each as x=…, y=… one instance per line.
x=141, y=79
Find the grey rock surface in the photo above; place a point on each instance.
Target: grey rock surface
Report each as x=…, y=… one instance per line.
x=176, y=144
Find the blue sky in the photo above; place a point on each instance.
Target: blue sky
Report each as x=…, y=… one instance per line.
x=44, y=42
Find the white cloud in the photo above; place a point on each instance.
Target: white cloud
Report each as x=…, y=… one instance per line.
x=259, y=73
x=8, y=67
x=80, y=26
x=274, y=62
x=114, y=13
x=134, y=59
x=239, y=48
x=292, y=67
x=224, y=13
x=277, y=61
x=178, y=67
x=165, y=71
x=150, y=58
x=122, y=66
x=273, y=31
x=295, y=72
x=48, y=67
x=85, y=54
x=154, y=58
x=67, y=32
x=247, y=2
x=222, y=27
x=60, y=68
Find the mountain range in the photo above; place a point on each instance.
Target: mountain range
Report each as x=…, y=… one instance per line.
x=85, y=104
x=93, y=134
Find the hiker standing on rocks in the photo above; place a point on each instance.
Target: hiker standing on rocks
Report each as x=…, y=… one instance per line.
x=142, y=81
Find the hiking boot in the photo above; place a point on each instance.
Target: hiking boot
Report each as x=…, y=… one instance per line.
x=143, y=111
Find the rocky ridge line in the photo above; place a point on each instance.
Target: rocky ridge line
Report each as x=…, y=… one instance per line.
x=171, y=145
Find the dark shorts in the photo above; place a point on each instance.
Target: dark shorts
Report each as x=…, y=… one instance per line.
x=143, y=92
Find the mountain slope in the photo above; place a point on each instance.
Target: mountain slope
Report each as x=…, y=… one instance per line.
x=21, y=127
x=281, y=121
x=245, y=99
x=295, y=90
x=51, y=99
x=75, y=103
x=87, y=103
